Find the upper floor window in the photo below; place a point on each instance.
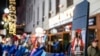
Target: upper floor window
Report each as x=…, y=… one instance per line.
x=37, y=22
x=49, y=8
x=34, y=1
x=43, y=11
x=43, y=19
x=69, y=3
x=37, y=15
x=43, y=8
x=57, y=6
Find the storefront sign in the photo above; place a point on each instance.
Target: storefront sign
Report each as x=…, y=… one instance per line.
x=61, y=18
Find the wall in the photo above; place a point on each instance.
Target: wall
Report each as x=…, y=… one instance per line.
x=28, y=16
x=98, y=28
x=94, y=9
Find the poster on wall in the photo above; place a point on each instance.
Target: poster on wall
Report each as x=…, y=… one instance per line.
x=78, y=41
x=79, y=29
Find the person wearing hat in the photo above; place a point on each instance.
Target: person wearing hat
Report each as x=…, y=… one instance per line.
x=93, y=50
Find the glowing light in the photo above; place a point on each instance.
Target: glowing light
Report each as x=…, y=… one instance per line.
x=6, y=10
x=39, y=31
x=2, y=23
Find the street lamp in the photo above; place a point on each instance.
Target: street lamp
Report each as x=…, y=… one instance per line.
x=2, y=22
x=6, y=10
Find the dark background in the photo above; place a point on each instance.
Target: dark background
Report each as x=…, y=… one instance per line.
x=3, y=5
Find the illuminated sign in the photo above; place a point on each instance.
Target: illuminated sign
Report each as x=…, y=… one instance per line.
x=12, y=14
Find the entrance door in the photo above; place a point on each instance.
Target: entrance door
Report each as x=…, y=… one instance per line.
x=91, y=35
x=56, y=43
x=66, y=39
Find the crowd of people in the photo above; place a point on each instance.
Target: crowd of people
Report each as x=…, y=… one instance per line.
x=24, y=45
x=34, y=45
x=14, y=46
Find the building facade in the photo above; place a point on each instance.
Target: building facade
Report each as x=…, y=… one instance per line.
x=42, y=12
x=58, y=14
x=21, y=11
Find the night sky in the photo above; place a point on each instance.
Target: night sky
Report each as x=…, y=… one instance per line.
x=2, y=7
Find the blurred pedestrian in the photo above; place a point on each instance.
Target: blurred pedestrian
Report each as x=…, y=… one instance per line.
x=1, y=50
x=69, y=48
x=34, y=44
x=56, y=44
x=93, y=50
x=38, y=42
x=22, y=50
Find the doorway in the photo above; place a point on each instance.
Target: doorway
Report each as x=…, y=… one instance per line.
x=91, y=35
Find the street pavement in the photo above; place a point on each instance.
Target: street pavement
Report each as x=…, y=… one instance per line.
x=52, y=54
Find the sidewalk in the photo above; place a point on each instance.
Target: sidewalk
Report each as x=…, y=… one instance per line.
x=51, y=54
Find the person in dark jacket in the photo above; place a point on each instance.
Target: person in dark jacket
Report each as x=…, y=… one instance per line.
x=56, y=46
x=1, y=49
x=93, y=49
